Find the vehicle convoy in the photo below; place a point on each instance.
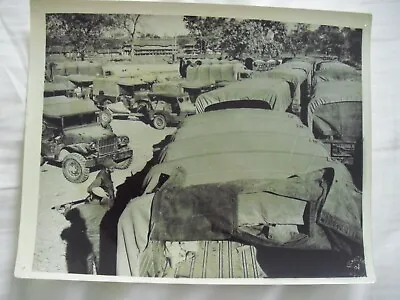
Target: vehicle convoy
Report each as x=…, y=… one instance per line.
x=77, y=136
x=231, y=185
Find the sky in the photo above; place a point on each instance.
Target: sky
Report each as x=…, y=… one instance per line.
x=162, y=25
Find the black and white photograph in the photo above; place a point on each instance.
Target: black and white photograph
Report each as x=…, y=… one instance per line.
x=200, y=147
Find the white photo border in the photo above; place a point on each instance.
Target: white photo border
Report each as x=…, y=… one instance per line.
x=34, y=108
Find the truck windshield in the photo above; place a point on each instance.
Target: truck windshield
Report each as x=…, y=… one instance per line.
x=79, y=120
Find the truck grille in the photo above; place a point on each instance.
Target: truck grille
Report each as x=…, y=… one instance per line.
x=107, y=146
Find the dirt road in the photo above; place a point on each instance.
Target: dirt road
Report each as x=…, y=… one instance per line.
x=55, y=189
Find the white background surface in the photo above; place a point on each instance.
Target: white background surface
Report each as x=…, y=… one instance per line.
x=14, y=40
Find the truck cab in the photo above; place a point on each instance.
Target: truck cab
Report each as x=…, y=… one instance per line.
x=78, y=137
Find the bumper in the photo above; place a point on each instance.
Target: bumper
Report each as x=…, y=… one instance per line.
x=122, y=154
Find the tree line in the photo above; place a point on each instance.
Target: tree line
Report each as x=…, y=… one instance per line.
x=235, y=37
x=263, y=38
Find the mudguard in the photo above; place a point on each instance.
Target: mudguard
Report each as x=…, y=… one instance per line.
x=81, y=148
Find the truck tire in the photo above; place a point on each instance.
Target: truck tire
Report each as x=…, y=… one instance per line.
x=74, y=168
x=159, y=122
x=123, y=164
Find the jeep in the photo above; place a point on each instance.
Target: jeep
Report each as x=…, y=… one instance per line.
x=79, y=137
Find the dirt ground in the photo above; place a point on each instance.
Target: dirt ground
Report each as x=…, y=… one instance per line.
x=55, y=189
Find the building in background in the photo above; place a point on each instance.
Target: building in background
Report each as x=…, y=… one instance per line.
x=161, y=47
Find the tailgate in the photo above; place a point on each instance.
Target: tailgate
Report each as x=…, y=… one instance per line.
x=213, y=259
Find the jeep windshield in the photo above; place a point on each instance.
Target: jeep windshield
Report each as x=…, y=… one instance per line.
x=78, y=120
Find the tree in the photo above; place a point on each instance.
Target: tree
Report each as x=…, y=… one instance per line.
x=299, y=39
x=331, y=40
x=81, y=31
x=205, y=30
x=128, y=22
x=352, y=44
x=237, y=37
x=181, y=41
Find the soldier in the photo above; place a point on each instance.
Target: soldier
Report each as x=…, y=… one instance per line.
x=104, y=182
x=101, y=99
x=85, y=224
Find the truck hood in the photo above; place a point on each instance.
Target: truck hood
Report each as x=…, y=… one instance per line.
x=87, y=134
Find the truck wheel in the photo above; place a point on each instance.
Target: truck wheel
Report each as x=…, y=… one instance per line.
x=159, y=122
x=124, y=164
x=74, y=168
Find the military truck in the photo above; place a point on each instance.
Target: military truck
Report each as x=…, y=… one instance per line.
x=335, y=118
x=190, y=223
x=77, y=137
x=165, y=105
x=54, y=89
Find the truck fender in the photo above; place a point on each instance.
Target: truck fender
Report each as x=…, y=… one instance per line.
x=81, y=148
x=166, y=114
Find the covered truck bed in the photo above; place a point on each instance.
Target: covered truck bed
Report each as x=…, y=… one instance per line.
x=219, y=206
x=275, y=92
x=336, y=109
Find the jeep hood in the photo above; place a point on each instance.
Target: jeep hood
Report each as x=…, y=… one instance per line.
x=87, y=134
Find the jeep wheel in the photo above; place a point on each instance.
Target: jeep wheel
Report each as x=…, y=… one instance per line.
x=123, y=164
x=159, y=122
x=74, y=168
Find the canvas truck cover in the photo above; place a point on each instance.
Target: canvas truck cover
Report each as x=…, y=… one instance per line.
x=336, y=109
x=308, y=59
x=250, y=163
x=242, y=142
x=307, y=67
x=198, y=77
x=294, y=77
x=109, y=85
x=58, y=86
x=219, y=131
x=331, y=71
x=63, y=106
x=77, y=67
x=275, y=92
x=238, y=121
x=90, y=68
x=209, y=74
x=207, y=178
x=79, y=78
x=132, y=81
x=129, y=70
x=168, y=88
x=297, y=64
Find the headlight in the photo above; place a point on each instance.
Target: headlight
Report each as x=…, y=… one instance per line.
x=123, y=140
x=92, y=146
